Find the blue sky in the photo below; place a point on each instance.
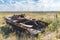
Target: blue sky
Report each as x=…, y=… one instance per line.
x=29, y=5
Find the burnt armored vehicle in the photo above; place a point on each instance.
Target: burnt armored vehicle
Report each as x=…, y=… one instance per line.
x=32, y=26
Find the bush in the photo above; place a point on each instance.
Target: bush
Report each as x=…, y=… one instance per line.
x=54, y=25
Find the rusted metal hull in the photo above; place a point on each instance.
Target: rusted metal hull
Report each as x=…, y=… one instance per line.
x=32, y=26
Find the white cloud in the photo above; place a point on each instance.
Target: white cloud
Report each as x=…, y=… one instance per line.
x=29, y=5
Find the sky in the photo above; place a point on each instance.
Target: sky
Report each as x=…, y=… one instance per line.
x=29, y=5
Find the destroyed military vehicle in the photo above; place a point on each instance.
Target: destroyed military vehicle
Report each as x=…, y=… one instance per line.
x=32, y=26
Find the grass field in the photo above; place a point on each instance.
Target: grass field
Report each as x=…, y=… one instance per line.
x=52, y=32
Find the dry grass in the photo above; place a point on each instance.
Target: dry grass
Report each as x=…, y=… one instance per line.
x=48, y=35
